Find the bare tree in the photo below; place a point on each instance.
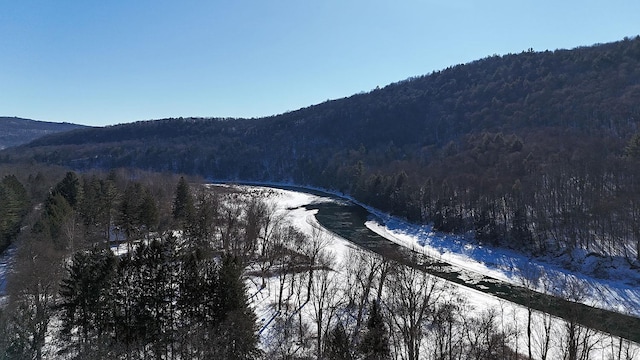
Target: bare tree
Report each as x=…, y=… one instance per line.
x=447, y=330
x=284, y=258
x=529, y=276
x=256, y=213
x=229, y=228
x=578, y=341
x=542, y=326
x=271, y=239
x=622, y=349
x=33, y=290
x=284, y=339
x=326, y=298
x=314, y=249
x=410, y=298
x=363, y=271
x=484, y=340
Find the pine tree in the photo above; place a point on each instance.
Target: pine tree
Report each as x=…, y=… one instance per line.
x=236, y=335
x=98, y=202
x=337, y=346
x=138, y=211
x=69, y=187
x=183, y=208
x=157, y=265
x=375, y=344
x=85, y=293
x=57, y=212
x=192, y=292
x=633, y=147
x=14, y=205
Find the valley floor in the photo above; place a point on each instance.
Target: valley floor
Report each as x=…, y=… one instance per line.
x=618, y=295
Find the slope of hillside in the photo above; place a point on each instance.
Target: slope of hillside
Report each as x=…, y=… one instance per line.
x=533, y=151
x=16, y=131
x=591, y=89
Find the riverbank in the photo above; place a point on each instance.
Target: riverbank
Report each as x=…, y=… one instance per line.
x=497, y=272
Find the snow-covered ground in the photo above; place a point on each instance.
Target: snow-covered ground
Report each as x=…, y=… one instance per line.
x=616, y=295
x=501, y=264
x=621, y=294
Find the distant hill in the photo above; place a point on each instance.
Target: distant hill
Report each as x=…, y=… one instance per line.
x=16, y=131
x=536, y=150
x=593, y=90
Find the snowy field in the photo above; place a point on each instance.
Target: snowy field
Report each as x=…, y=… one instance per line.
x=501, y=264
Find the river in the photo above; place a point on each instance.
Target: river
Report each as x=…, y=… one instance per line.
x=347, y=219
x=6, y=262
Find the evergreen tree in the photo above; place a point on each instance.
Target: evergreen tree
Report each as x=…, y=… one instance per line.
x=183, y=208
x=138, y=211
x=14, y=205
x=192, y=292
x=157, y=266
x=236, y=334
x=205, y=220
x=85, y=294
x=375, y=343
x=69, y=187
x=99, y=202
x=127, y=297
x=632, y=150
x=57, y=212
x=337, y=345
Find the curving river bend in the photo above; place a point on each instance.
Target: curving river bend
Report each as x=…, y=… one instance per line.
x=348, y=219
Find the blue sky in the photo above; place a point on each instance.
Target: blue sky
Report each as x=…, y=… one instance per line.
x=117, y=61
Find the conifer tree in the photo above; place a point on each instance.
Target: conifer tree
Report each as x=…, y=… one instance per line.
x=375, y=344
x=337, y=344
x=57, y=212
x=138, y=211
x=633, y=147
x=14, y=204
x=183, y=208
x=157, y=266
x=236, y=334
x=69, y=187
x=85, y=293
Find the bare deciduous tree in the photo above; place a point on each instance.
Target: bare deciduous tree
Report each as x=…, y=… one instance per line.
x=33, y=290
x=410, y=299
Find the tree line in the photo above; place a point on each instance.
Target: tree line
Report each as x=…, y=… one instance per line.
x=136, y=265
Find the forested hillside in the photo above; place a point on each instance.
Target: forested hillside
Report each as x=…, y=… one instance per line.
x=537, y=151
x=16, y=131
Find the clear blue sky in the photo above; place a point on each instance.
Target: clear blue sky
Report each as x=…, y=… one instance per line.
x=116, y=61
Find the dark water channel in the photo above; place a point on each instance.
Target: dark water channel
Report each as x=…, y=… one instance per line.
x=348, y=220
x=6, y=261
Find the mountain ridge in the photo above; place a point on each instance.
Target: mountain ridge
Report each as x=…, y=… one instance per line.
x=16, y=131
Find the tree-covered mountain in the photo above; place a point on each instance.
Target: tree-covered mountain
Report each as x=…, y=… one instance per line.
x=533, y=150
x=17, y=131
